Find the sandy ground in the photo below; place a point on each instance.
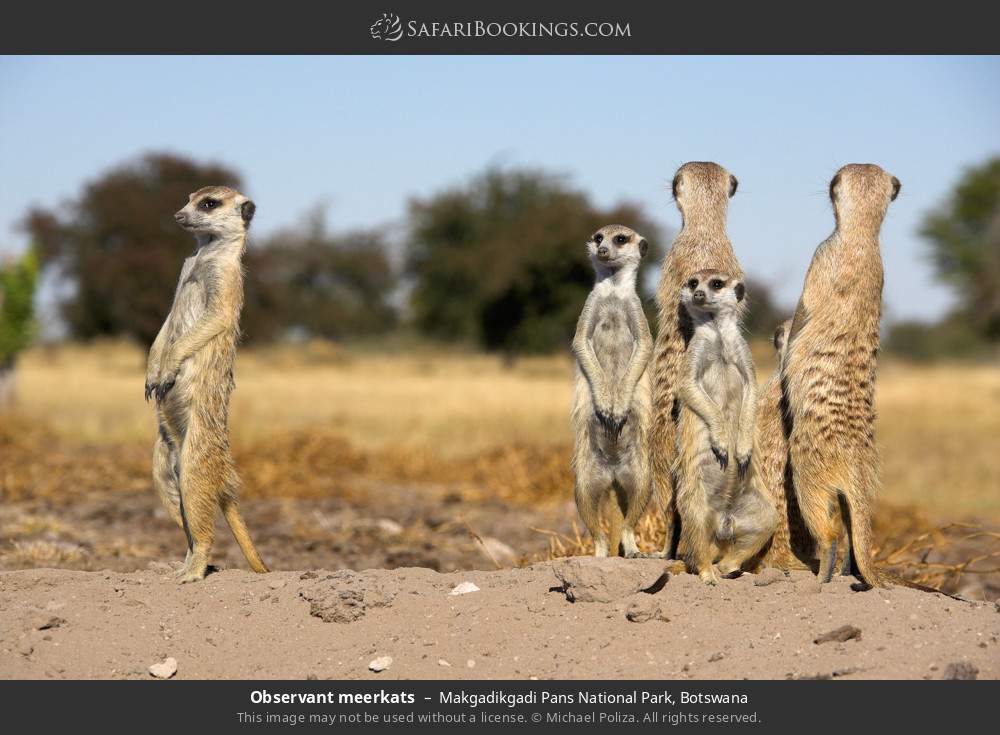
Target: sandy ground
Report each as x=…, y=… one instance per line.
x=570, y=618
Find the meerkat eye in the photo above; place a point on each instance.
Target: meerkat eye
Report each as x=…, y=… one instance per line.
x=621, y=239
x=598, y=238
x=209, y=203
x=693, y=284
x=716, y=284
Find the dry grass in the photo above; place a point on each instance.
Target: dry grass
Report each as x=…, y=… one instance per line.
x=450, y=417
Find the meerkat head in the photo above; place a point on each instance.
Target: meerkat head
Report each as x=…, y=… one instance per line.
x=863, y=187
x=780, y=338
x=702, y=182
x=613, y=247
x=216, y=211
x=712, y=292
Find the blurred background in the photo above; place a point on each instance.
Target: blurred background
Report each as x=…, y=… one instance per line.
x=415, y=270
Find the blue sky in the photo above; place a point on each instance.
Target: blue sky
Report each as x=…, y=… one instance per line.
x=365, y=134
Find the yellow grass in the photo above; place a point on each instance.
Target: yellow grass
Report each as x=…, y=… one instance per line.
x=938, y=426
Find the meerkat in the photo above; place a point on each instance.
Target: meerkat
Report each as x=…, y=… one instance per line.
x=828, y=373
x=611, y=401
x=702, y=192
x=791, y=545
x=190, y=373
x=724, y=516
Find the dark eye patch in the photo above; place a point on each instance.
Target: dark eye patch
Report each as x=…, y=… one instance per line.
x=716, y=284
x=598, y=238
x=693, y=284
x=208, y=204
x=621, y=239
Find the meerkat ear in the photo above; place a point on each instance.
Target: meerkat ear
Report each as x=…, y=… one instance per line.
x=247, y=210
x=675, y=186
x=740, y=290
x=733, y=184
x=643, y=247
x=896, y=186
x=779, y=337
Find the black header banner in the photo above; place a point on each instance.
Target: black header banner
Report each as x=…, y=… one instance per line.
x=512, y=27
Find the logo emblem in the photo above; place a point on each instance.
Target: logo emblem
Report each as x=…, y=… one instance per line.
x=387, y=28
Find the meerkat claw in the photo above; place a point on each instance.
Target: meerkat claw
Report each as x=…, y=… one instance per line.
x=721, y=457
x=742, y=465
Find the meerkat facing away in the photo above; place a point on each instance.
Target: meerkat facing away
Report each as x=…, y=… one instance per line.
x=702, y=191
x=828, y=373
x=190, y=372
x=724, y=516
x=611, y=400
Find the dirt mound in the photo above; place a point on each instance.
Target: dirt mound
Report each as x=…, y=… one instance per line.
x=641, y=620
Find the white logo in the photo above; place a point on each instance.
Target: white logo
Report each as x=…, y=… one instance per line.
x=387, y=28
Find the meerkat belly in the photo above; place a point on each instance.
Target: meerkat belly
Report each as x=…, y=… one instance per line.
x=612, y=339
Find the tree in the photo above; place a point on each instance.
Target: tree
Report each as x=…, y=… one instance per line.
x=964, y=239
x=318, y=284
x=18, y=279
x=501, y=261
x=119, y=245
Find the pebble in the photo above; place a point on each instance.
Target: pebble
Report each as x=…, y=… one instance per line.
x=380, y=664
x=442, y=662
x=165, y=669
x=464, y=588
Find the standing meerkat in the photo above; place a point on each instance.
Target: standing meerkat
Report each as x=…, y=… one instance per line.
x=724, y=516
x=611, y=400
x=828, y=373
x=190, y=371
x=702, y=192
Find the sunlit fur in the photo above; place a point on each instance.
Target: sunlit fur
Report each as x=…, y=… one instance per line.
x=190, y=371
x=611, y=399
x=702, y=192
x=724, y=516
x=791, y=545
x=828, y=374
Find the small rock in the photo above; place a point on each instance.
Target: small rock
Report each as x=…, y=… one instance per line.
x=593, y=579
x=769, y=576
x=165, y=669
x=47, y=622
x=642, y=608
x=25, y=646
x=442, y=662
x=840, y=635
x=715, y=657
x=961, y=671
x=276, y=584
x=380, y=664
x=464, y=588
x=471, y=663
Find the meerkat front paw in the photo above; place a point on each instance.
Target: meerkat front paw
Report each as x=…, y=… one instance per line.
x=743, y=463
x=721, y=455
x=164, y=382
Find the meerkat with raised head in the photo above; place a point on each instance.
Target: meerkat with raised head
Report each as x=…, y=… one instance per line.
x=724, y=516
x=190, y=373
x=702, y=191
x=828, y=373
x=611, y=400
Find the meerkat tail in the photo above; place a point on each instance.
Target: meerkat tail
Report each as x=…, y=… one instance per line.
x=861, y=539
x=231, y=511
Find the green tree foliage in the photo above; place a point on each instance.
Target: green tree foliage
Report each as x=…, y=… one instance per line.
x=313, y=283
x=964, y=239
x=764, y=314
x=18, y=279
x=501, y=261
x=119, y=245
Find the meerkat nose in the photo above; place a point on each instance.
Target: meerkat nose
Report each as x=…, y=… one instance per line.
x=180, y=217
